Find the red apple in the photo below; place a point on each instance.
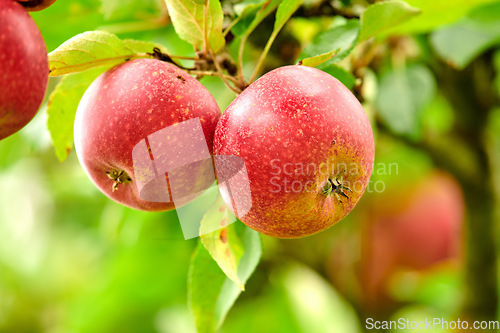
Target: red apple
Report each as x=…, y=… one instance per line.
x=411, y=229
x=24, y=68
x=308, y=149
x=144, y=105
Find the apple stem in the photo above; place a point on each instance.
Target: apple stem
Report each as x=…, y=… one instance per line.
x=118, y=177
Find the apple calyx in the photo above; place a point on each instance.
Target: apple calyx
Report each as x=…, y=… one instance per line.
x=118, y=177
x=334, y=187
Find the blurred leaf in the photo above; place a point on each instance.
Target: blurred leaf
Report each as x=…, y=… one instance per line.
x=270, y=311
x=340, y=74
x=223, y=244
x=190, y=22
x=317, y=307
x=247, y=5
x=211, y=293
x=460, y=43
x=252, y=15
x=402, y=96
x=416, y=313
x=399, y=167
x=62, y=106
x=64, y=13
x=93, y=49
x=126, y=9
x=438, y=287
x=383, y=15
x=319, y=59
x=435, y=13
x=438, y=117
x=343, y=37
x=304, y=29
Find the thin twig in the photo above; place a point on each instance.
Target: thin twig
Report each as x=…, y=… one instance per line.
x=209, y=73
x=263, y=55
x=237, y=90
x=183, y=57
x=240, y=59
x=205, y=27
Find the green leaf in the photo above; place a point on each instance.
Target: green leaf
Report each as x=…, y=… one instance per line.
x=461, y=42
x=284, y=12
x=93, y=49
x=384, y=15
x=223, y=244
x=402, y=96
x=211, y=293
x=130, y=9
x=62, y=106
x=315, y=304
x=140, y=46
x=252, y=15
x=340, y=74
x=343, y=37
x=190, y=22
x=436, y=13
x=319, y=59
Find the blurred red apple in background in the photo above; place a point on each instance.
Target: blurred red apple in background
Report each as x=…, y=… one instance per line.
x=411, y=229
x=24, y=68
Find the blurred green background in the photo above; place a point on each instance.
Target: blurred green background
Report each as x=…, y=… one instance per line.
x=72, y=260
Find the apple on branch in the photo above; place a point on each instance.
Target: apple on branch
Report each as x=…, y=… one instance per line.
x=134, y=102
x=308, y=149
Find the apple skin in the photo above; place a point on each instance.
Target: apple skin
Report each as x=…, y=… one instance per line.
x=24, y=68
x=126, y=104
x=295, y=128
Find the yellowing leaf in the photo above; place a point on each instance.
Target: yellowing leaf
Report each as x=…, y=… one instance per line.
x=319, y=59
x=93, y=49
x=193, y=22
x=223, y=244
x=62, y=106
x=211, y=293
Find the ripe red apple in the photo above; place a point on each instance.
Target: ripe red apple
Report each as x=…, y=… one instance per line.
x=126, y=106
x=308, y=149
x=415, y=229
x=24, y=68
